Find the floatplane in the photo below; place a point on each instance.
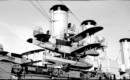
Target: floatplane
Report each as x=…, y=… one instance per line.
x=64, y=45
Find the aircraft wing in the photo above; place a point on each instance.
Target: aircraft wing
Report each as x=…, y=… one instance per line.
x=5, y=58
x=87, y=48
x=31, y=62
x=16, y=55
x=13, y=57
x=42, y=37
x=32, y=51
x=3, y=53
x=45, y=38
x=8, y=61
x=66, y=49
x=51, y=47
x=85, y=33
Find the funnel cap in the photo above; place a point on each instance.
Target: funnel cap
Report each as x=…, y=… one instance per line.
x=62, y=7
x=86, y=22
x=125, y=39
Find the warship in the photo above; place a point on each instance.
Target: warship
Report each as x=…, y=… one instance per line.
x=67, y=54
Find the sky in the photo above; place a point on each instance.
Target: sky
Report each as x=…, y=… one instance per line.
x=19, y=18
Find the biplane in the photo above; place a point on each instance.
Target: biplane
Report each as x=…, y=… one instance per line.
x=58, y=41
x=64, y=46
x=57, y=65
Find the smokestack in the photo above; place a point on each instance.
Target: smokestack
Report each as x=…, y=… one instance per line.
x=125, y=52
x=88, y=24
x=59, y=15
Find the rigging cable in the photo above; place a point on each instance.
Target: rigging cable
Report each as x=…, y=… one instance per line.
x=39, y=10
x=71, y=12
x=43, y=9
